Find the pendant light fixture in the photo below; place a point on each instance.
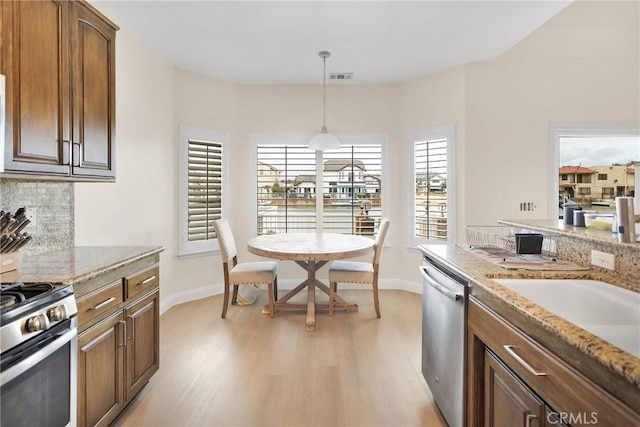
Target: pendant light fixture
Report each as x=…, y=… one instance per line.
x=324, y=140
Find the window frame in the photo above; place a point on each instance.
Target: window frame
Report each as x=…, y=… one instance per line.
x=559, y=130
x=303, y=138
x=445, y=131
x=202, y=247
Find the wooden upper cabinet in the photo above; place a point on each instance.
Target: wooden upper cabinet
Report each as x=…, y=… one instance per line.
x=35, y=61
x=93, y=43
x=59, y=62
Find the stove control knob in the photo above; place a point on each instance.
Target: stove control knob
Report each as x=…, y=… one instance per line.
x=37, y=323
x=57, y=313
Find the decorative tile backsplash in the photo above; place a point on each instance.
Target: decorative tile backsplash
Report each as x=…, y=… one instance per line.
x=49, y=206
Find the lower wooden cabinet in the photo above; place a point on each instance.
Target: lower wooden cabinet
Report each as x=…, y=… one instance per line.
x=508, y=402
x=514, y=381
x=142, y=349
x=118, y=344
x=101, y=372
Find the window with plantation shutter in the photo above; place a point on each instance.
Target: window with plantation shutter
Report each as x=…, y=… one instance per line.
x=433, y=176
x=352, y=182
x=286, y=189
x=205, y=188
x=301, y=190
x=202, y=192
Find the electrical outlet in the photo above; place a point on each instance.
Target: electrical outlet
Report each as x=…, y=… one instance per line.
x=527, y=206
x=603, y=259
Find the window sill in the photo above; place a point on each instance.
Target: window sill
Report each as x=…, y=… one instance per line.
x=200, y=254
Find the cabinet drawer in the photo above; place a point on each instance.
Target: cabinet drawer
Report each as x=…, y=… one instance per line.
x=555, y=382
x=99, y=302
x=141, y=281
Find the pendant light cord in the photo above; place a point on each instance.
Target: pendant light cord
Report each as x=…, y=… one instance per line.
x=324, y=94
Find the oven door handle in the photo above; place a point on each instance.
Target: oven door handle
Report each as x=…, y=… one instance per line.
x=38, y=357
x=455, y=296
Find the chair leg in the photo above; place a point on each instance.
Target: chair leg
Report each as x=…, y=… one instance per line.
x=234, y=300
x=376, y=303
x=225, y=302
x=275, y=289
x=272, y=308
x=332, y=287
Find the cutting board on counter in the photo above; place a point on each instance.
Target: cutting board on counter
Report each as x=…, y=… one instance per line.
x=517, y=263
x=530, y=262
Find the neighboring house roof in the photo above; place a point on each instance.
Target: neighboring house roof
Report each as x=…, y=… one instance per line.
x=377, y=177
x=269, y=166
x=429, y=175
x=304, y=178
x=339, y=164
x=576, y=169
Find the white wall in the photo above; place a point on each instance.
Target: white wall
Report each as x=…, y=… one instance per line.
x=431, y=102
x=140, y=209
x=212, y=104
x=581, y=66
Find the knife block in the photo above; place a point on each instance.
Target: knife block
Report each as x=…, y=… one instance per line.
x=9, y=261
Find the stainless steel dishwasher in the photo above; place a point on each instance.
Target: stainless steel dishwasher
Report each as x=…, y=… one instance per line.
x=444, y=296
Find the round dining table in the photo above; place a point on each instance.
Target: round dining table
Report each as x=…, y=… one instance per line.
x=311, y=251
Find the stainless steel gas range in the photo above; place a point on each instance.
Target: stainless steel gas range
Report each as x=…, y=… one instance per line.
x=38, y=339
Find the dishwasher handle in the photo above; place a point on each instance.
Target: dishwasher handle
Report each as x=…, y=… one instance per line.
x=455, y=296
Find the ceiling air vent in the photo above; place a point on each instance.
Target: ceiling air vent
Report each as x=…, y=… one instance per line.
x=341, y=76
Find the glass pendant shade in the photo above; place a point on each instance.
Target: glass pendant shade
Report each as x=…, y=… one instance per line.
x=324, y=141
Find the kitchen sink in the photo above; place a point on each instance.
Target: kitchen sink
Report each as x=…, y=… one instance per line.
x=607, y=311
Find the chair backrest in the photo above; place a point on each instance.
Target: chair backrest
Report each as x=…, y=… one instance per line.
x=225, y=239
x=382, y=233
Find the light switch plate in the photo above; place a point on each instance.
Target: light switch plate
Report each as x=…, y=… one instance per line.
x=603, y=259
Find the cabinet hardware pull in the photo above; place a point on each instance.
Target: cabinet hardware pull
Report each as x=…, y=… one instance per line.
x=145, y=281
x=530, y=418
x=103, y=303
x=124, y=333
x=511, y=350
x=76, y=161
x=133, y=328
x=65, y=152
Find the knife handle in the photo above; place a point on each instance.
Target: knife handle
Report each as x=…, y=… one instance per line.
x=4, y=243
x=12, y=246
x=23, y=242
x=22, y=226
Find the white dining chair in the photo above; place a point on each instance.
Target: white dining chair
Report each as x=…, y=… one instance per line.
x=359, y=272
x=244, y=273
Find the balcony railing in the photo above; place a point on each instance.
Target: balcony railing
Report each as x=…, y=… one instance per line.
x=345, y=221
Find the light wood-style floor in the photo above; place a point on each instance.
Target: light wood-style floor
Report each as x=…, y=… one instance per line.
x=251, y=370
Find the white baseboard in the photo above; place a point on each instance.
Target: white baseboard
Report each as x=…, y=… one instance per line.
x=217, y=289
x=191, y=295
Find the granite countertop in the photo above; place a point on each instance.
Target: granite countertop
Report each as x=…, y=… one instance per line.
x=548, y=327
x=76, y=264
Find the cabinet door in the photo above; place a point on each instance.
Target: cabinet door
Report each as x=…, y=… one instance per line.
x=142, y=356
x=509, y=402
x=93, y=62
x=36, y=63
x=101, y=372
